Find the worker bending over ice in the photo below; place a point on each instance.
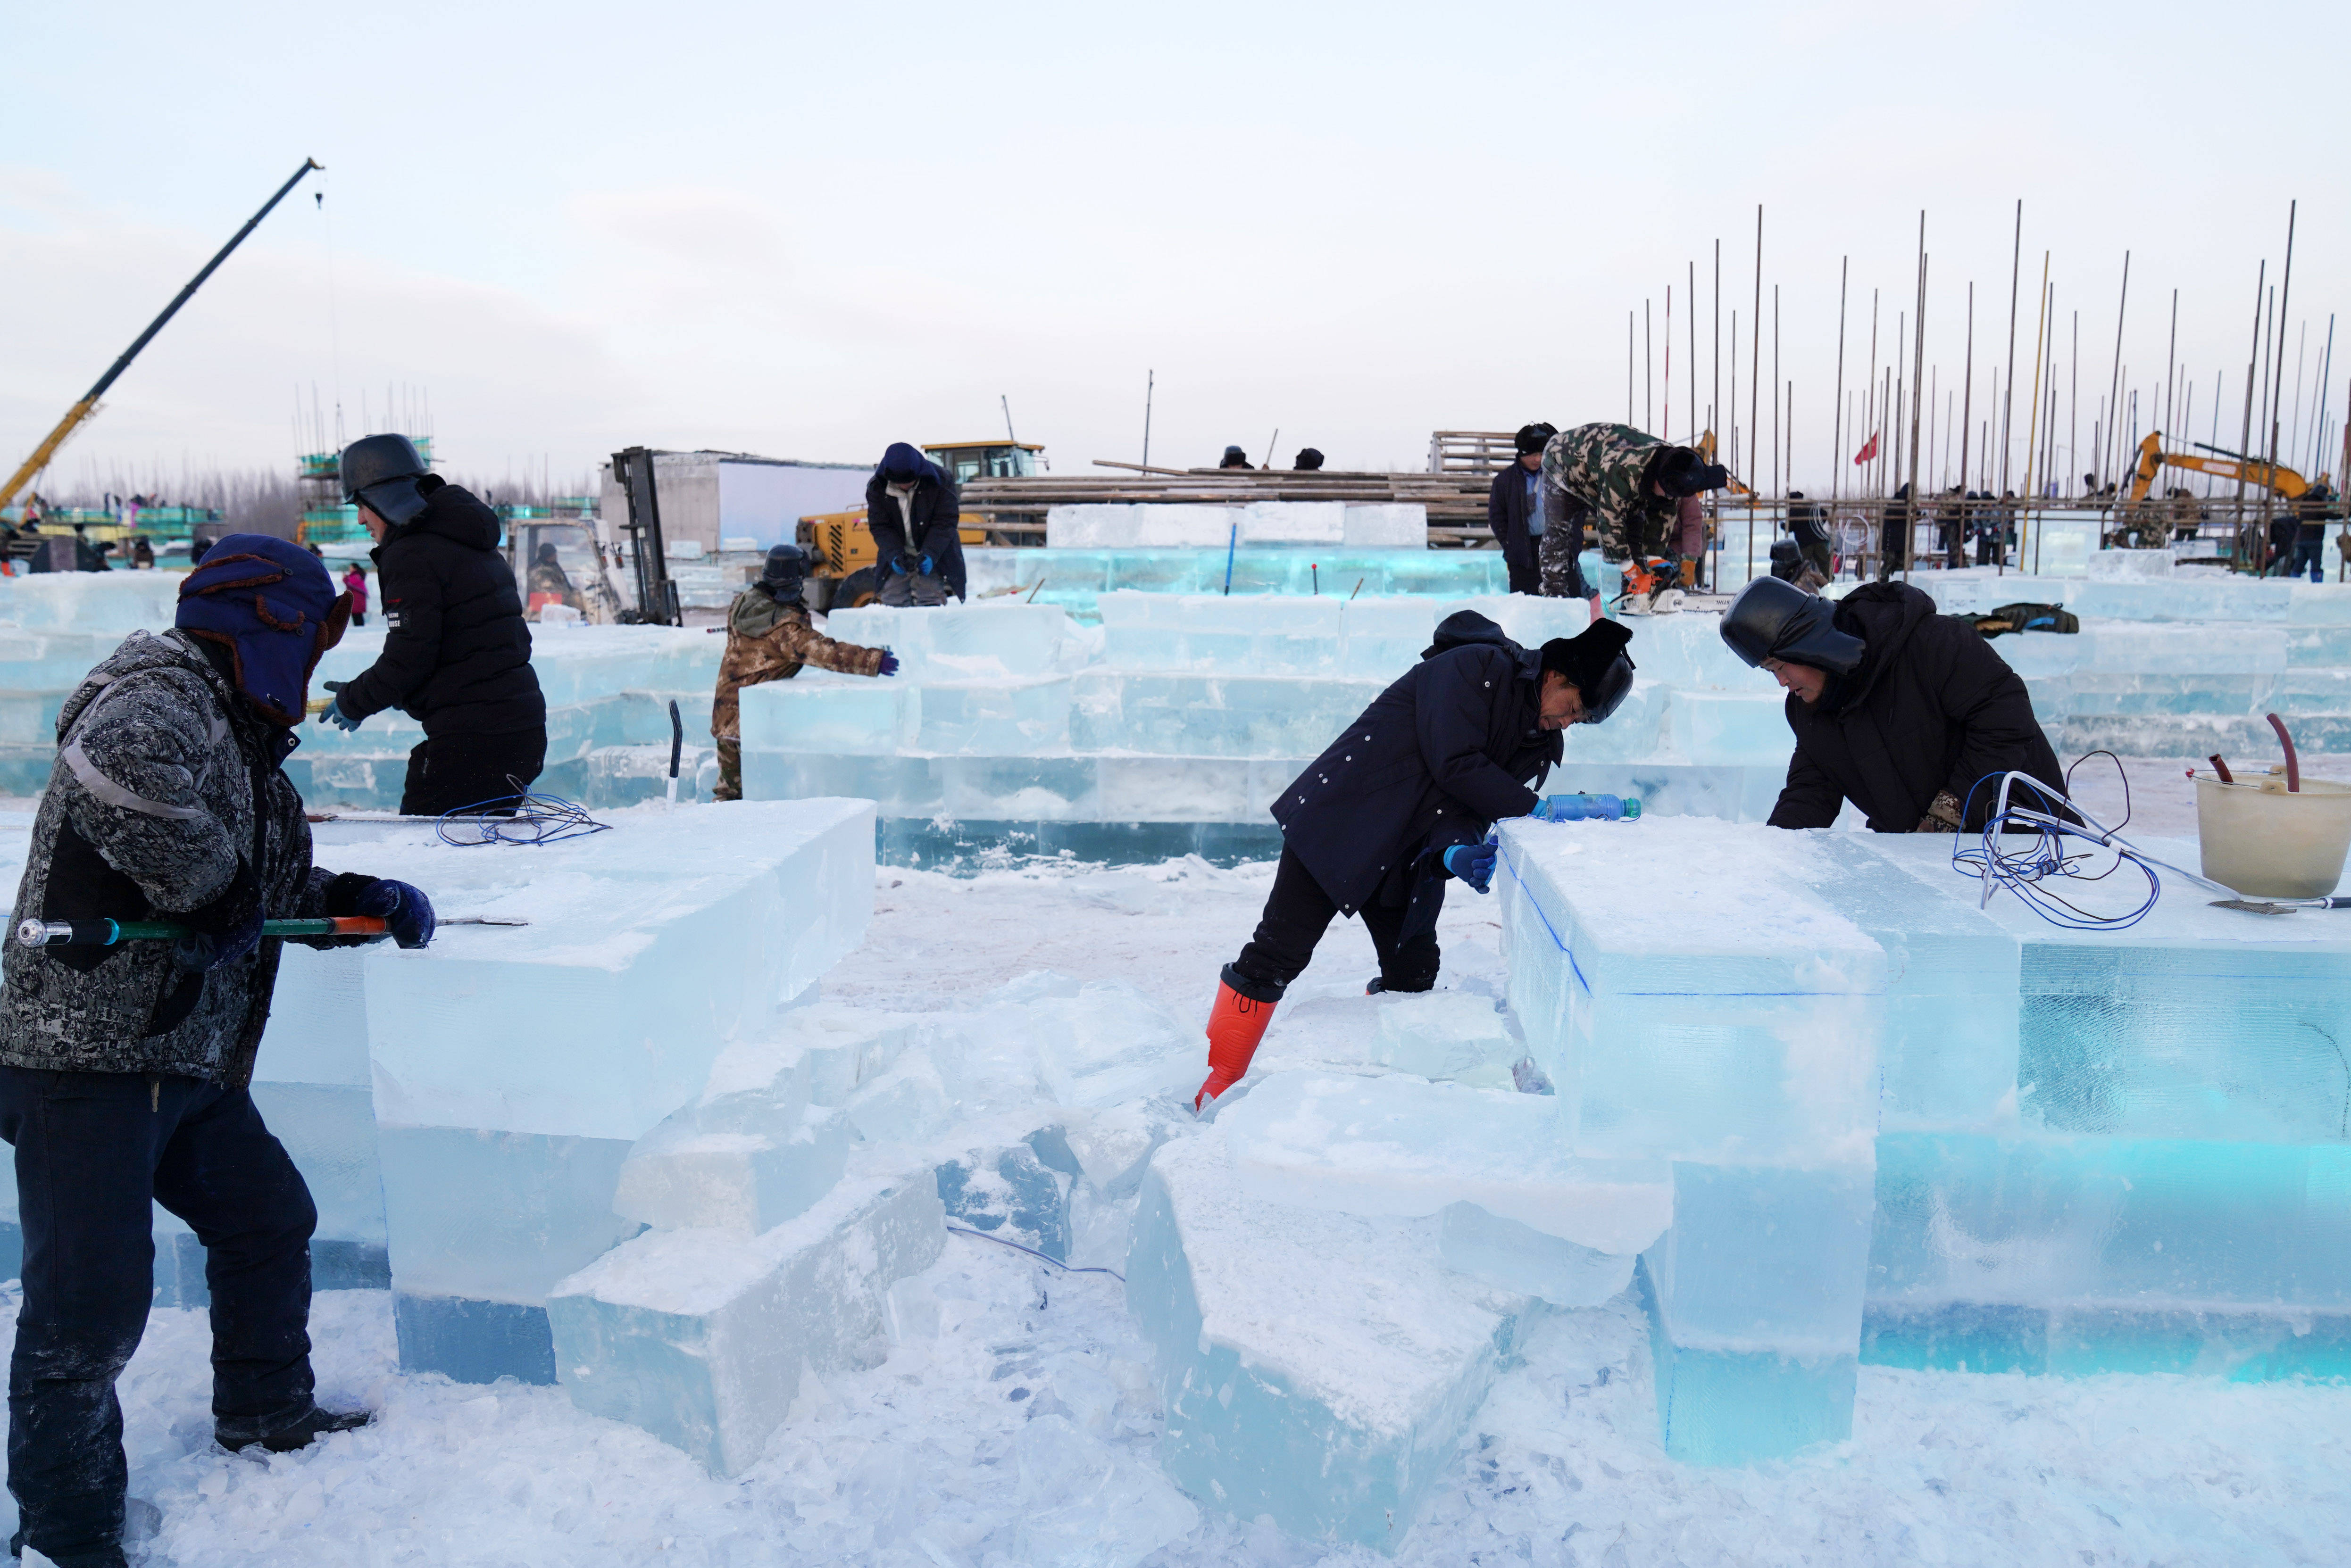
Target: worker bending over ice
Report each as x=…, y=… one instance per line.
x=1402, y=800
x=1895, y=708
x=123, y=1069
x=768, y=638
x=1639, y=490
x=911, y=510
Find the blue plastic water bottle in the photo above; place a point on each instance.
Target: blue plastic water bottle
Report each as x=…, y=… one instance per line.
x=1589, y=808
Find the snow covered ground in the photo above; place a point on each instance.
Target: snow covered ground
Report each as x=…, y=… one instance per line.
x=1013, y=1422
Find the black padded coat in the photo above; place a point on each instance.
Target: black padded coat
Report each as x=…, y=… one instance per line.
x=457, y=652
x=1932, y=708
x=1439, y=758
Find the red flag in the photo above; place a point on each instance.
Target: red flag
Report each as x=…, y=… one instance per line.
x=1869, y=451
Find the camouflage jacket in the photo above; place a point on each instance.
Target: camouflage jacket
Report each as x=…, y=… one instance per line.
x=166, y=800
x=769, y=642
x=1606, y=469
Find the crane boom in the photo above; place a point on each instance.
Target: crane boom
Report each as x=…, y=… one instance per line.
x=2152, y=457
x=82, y=409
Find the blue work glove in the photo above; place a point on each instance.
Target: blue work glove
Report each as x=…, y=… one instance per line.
x=405, y=911
x=927, y=567
x=906, y=565
x=889, y=663
x=334, y=713
x=1473, y=863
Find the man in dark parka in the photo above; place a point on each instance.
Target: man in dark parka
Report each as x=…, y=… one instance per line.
x=913, y=511
x=1895, y=708
x=456, y=651
x=1514, y=510
x=1379, y=821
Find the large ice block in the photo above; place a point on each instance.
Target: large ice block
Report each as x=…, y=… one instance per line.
x=1317, y=1367
x=1755, y=1307
x=2059, y=1254
x=701, y=1336
x=1687, y=995
x=1400, y=1145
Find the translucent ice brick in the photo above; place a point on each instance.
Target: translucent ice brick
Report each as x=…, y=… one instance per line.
x=1317, y=1367
x=1520, y=1258
x=687, y=1173
x=1110, y=1044
x=1755, y=1303
x=1687, y=995
x=700, y=1336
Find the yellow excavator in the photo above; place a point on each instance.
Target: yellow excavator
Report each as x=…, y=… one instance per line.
x=2279, y=479
x=2152, y=523
x=89, y=403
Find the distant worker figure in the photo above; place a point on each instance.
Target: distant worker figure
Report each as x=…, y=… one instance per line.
x=1633, y=485
x=911, y=509
x=142, y=555
x=549, y=585
x=1403, y=801
x=2311, y=515
x=1308, y=460
x=1514, y=510
x=355, y=585
x=1808, y=520
x=768, y=638
x=456, y=653
x=1234, y=458
x=89, y=555
x=1898, y=709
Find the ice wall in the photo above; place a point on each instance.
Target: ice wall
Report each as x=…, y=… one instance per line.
x=608, y=692
x=1161, y=525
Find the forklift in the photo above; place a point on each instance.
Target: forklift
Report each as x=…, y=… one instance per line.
x=844, y=567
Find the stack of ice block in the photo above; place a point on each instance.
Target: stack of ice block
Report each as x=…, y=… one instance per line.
x=1692, y=1000
x=2054, y=1149
x=1075, y=578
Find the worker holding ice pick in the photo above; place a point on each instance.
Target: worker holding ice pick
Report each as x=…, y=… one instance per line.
x=1402, y=800
x=123, y=1068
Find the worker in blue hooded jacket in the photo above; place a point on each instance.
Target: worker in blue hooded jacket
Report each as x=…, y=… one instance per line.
x=1403, y=801
x=910, y=511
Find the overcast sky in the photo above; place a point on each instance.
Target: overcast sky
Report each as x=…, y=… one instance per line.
x=808, y=231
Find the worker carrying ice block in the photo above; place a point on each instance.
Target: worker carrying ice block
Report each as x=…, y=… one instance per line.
x=1404, y=800
x=770, y=637
x=1895, y=708
x=123, y=1068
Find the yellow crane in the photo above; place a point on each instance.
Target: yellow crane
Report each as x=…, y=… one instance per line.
x=89, y=404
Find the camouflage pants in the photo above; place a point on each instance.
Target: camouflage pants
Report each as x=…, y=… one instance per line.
x=1562, y=547
x=727, y=729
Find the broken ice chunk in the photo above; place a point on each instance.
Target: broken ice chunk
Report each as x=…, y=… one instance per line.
x=684, y=1174
x=1401, y=1145
x=1446, y=1035
x=1011, y=1194
x=700, y=1336
x=1085, y=1504
x=1521, y=1258
x=1315, y=1366
x=1110, y=1044
x=905, y=1104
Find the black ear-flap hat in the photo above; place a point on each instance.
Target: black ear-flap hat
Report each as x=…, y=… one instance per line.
x=1596, y=660
x=1772, y=618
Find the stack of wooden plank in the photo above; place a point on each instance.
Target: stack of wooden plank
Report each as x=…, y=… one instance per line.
x=1456, y=500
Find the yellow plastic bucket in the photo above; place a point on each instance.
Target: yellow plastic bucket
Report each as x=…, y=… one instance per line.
x=2266, y=841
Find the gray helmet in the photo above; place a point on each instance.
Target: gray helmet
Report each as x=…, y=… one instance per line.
x=382, y=471
x=1775, y=619
x=786, y=567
